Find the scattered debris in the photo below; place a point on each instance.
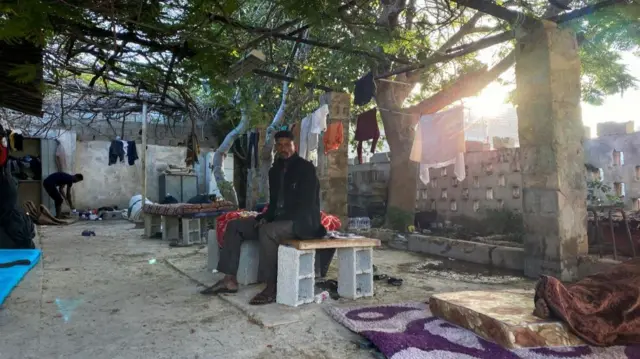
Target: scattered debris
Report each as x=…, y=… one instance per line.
x=88, y=233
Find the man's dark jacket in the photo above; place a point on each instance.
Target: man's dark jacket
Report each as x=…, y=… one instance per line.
x=301, y=197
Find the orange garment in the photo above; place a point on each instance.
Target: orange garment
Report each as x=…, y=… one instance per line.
x=333, y=137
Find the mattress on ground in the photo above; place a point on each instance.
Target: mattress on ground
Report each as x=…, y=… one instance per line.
x=11, y=276
x=188, y=209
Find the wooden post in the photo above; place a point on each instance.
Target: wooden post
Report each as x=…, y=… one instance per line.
x=144, y=153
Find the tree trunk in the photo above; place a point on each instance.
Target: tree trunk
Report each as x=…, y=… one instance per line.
x=225, y=188
x=266, y=152
x=399, y=131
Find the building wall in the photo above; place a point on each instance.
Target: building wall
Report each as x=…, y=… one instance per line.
x=106, y=185
x=626, y=171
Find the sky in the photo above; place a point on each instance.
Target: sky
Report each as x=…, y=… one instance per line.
x=616, y=108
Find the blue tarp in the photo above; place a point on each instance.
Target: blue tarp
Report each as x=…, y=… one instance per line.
x=10, y=277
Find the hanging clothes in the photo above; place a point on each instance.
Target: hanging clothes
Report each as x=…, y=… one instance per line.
x=310, y=129
x=367, y=129
x=254, y=139
x=305, y=127
x=132, y=153
x=193, y=150
x=16, y=141
x=61, y=157
x=439, y=142
x=125, y=148
x=116, y=152
x=333, y=137
x=364, y=90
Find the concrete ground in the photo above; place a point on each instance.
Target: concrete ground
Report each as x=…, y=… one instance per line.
x=117, y=295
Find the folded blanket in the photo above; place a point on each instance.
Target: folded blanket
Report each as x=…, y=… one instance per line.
x=602, y=309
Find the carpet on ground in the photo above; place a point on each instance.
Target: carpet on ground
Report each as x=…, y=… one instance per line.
x=14, y=265
x=410, y=331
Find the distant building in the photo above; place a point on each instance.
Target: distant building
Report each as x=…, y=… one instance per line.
x=615, y=128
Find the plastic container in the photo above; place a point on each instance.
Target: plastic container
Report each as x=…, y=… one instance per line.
x=321, y=297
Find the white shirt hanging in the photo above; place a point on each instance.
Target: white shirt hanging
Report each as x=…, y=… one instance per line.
x=439, y=142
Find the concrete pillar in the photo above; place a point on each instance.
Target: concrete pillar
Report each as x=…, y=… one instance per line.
x=551, y=134
x=333, y=167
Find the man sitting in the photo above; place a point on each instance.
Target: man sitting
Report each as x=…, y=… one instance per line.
x=293, y=212
x=55, y=183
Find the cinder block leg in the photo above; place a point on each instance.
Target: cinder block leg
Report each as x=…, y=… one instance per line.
x=296, y=276
x=355, y=272
x=170, y=228
x=213, y=251
x=249, y=261
x=151, y=225
x=190, y=230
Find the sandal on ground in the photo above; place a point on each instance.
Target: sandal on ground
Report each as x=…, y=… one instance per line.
x=263, y=298
x=218, y=288
x=396, y=282
x=378, y=277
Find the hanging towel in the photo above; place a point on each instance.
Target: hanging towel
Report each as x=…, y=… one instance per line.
x=367, y=129
x=364, y=90
x=439, y=142
x=132, y=153
x=193, y=150
x=61, y=158
x=305, y=136
x=333, y=137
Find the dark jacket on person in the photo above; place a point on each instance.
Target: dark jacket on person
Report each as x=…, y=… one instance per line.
x=301, y=195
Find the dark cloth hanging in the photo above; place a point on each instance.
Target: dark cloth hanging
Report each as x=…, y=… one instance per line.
x=367, y=129
x=17, y=141
x=254, y=138
x=132, y=152
x=16, y=228
x=193, y=150
x=36, y=168
x=116, y=152
x=364, y=90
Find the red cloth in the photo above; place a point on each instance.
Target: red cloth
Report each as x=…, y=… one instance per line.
x=329, y=221
x=602, y=309
x=333, y=137
x=367, y=129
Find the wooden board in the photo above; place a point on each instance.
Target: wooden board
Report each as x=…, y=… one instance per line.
x=331, y=243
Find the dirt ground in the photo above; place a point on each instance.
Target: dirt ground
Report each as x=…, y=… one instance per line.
x=117, y=295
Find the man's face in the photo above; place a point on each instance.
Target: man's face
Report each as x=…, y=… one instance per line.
x=285, y=148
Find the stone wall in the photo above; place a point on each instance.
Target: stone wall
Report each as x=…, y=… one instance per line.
x=494, y=179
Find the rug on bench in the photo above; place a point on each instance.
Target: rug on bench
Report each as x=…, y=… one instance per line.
x=185, y=209
x=410, y=331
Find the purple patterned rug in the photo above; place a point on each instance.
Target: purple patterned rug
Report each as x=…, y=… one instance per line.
x=409, y=331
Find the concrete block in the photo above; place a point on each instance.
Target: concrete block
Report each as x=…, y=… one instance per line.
x=249, y=261
x=296, y=276
x=507, y=257
x=152, y=225
x=355, y=272
x=451, y=248
x=213, y=251
x=170, y=228
x=191, y=231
